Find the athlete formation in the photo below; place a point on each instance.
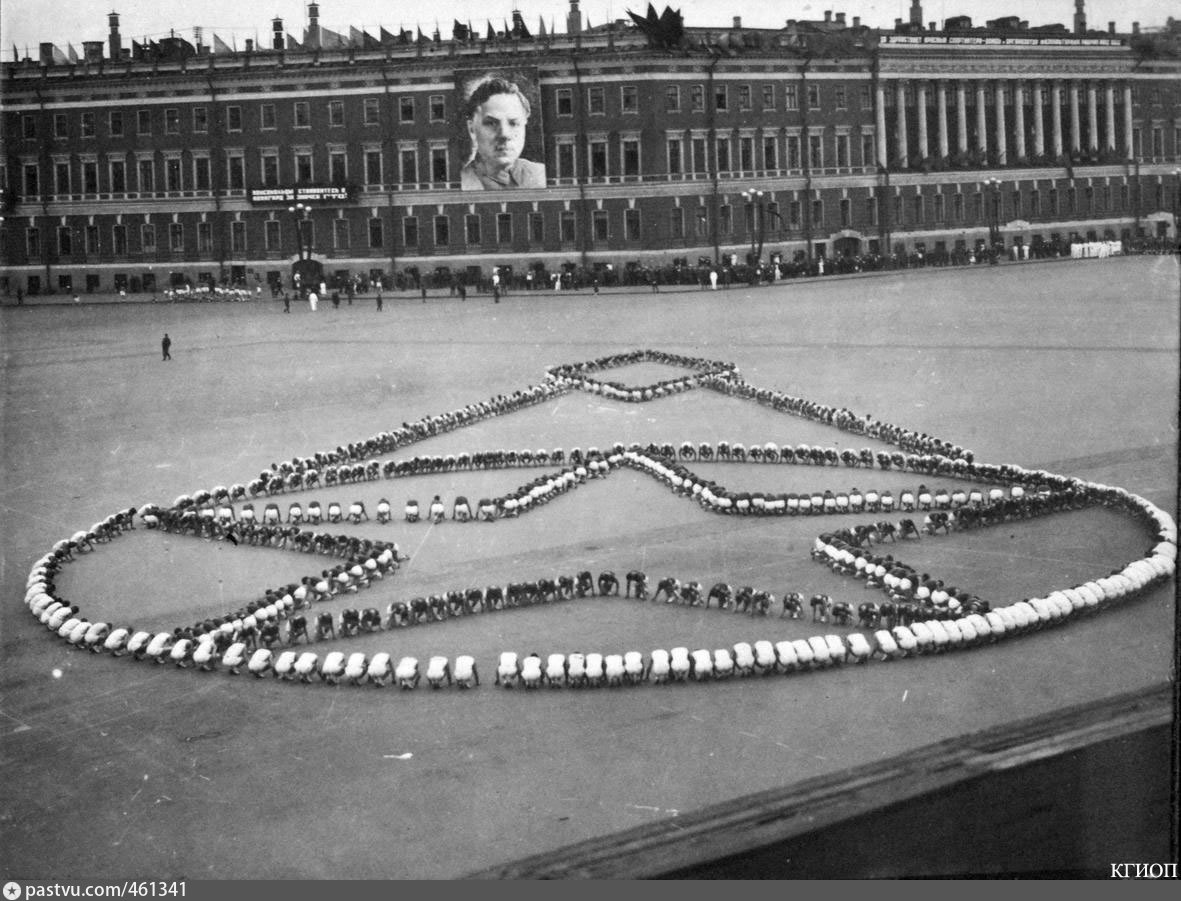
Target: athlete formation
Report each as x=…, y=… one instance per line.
x=917, y=612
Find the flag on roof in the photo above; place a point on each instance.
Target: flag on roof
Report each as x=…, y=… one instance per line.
x=666, y=30
x=332, y=40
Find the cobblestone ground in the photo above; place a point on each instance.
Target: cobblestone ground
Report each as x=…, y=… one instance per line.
x=147, y=772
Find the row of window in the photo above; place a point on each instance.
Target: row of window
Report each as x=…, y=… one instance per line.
x=87, y=239
x=1155, y=148
x=197, y=119
x=726, y=97
x=746, y=154
x=918, y=209
x=1008, y=92
x=683, y=156
x=771, y=98
x=175, y=173
x=604, y=158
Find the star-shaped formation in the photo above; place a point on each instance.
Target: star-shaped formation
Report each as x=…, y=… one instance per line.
x=916, y=613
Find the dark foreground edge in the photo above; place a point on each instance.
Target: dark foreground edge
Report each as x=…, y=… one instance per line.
x=1065, y=794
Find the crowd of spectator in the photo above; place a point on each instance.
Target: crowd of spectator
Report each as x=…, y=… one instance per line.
x=706, y=273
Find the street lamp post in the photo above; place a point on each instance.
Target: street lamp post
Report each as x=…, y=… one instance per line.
x=887, y=249
x=299, y=214
x=758, y=224
x=1177, y=215
x=994, y=215
x=1136, y=198
x=1176, y=208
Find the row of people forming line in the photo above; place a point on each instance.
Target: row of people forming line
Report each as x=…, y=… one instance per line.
x=593, y=670
x=217, y=519
x=764, y=657
x=256, y=624
x=576, y=670
x=354, y=669
x=313, y=515
x=348, y=464
x=711, y=495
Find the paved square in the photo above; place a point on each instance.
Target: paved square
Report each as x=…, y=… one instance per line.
x=1071, y=367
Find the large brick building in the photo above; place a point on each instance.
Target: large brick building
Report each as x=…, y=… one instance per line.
x=145, y=166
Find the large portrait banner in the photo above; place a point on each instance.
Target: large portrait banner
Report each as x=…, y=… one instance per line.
x=500, y=129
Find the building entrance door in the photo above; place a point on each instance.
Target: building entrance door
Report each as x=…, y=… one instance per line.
x=846, y=247
x=307, y=274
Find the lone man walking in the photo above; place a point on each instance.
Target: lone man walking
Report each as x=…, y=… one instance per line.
x=164, y=345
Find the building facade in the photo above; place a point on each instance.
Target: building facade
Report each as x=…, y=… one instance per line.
x=176, y=164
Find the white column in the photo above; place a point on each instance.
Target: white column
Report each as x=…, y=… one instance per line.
x=961, y=116
x=903, y=152
x=1092, y=116
x=1109, y=104
x=1076, y=139
x=1056, y=116
x=1128, y=147
x=1018, y=119
x=1039, y=129
x=981, y=120
x=921, y=111
x=1001, y=135
x=941, y=110
x=880, y=125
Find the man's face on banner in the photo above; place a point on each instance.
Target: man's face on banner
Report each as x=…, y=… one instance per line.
x=498, y=129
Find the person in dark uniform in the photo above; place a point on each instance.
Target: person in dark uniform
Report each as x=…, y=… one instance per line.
x=165, y=344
